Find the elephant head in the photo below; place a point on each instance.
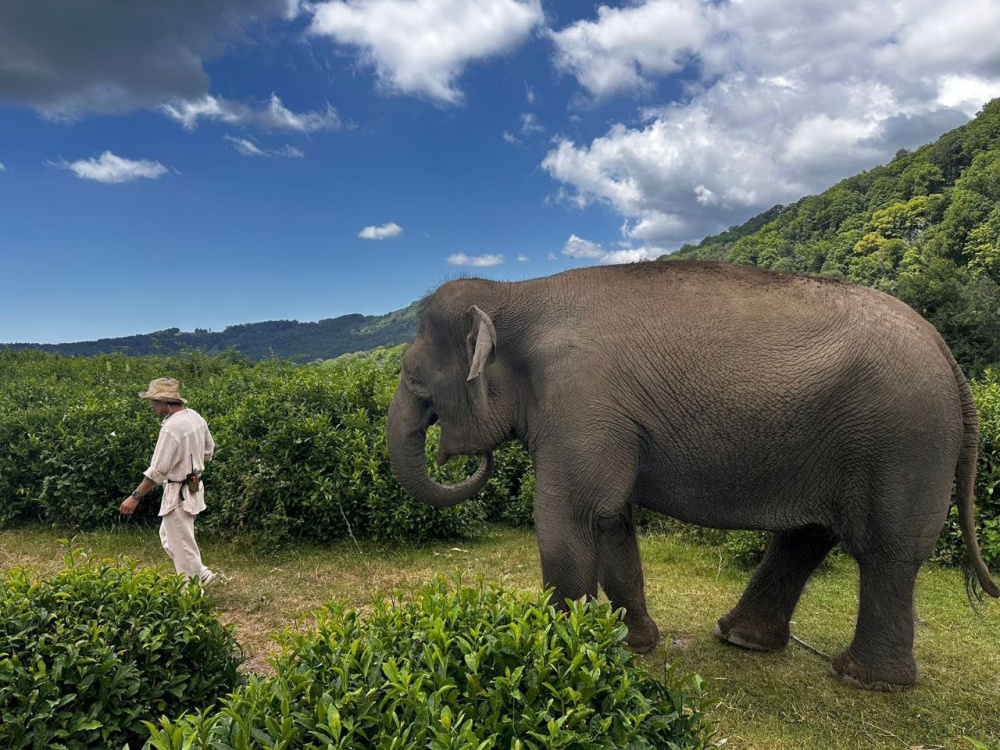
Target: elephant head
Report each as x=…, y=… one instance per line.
x=451, y=376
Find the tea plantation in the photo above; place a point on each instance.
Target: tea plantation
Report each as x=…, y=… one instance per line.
x=88, y=655
x=302, y=452
x=301, y=449
x=106, y=653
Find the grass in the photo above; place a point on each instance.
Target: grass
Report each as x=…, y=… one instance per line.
x=783, y=700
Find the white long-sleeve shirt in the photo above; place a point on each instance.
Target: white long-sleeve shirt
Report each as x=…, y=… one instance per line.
x=184, y=445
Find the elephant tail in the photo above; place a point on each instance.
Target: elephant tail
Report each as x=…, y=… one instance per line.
x=976, y=573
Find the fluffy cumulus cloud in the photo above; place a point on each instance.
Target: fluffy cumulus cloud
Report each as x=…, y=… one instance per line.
x=579, y=248
x=624, y=47
x=422, y=46
x=66, y=59
x=387, y=231
x=482, y=261
x=790, y=98
x=109, y=168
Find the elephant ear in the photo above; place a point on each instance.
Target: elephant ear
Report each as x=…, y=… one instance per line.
x=481, y=347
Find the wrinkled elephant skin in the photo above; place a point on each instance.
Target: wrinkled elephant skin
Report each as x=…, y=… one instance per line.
x=723, y=396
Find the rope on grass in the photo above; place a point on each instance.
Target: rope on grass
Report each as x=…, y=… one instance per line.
x=810, y=648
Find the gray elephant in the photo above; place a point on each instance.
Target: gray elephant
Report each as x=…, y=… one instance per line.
x=723, y=396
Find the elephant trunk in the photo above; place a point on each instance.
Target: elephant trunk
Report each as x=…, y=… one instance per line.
x=406, y=428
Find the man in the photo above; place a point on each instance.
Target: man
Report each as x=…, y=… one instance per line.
x=182, y=449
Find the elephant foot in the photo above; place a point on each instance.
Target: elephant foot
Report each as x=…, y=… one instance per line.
x=739, y=632
x=644, y=636
x=884, y=678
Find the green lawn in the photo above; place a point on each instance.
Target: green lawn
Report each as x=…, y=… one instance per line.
x=783, y=700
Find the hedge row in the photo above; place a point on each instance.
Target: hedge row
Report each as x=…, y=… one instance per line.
x=301, y=449
x=458, y=668
x=88, y=655
x=105, y=654
x=302, y=453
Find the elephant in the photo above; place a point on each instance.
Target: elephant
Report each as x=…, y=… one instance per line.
x=725, y=396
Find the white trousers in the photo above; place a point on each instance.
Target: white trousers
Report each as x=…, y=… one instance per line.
x=177, y=537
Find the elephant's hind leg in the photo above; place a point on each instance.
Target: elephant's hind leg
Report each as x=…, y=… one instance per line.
x=760, y=620
x=881, y=655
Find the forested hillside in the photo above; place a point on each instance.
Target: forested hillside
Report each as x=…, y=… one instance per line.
x=925, y=228
x=287, y=339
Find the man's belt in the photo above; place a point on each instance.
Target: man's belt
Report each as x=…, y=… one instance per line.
x=193, y=482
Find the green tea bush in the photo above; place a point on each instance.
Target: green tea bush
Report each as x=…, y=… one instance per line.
x=301, y=449
x=509, y=493
x=461, y=667
x=88, y=655
x=951, y=548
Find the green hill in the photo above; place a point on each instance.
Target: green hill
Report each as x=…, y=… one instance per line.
x=288, y=339
x=925, y=228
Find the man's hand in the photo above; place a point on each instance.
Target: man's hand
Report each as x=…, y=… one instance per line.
x=129, y=505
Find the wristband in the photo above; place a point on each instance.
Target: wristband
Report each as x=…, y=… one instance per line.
x=136, y=495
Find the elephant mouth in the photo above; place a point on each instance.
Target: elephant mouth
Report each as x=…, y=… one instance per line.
x=406, y=427
x=443, y=457
x=445, y=451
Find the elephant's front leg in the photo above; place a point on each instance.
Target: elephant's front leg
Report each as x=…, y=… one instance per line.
x=568, y=549
x=620, y=571
x=579, y=545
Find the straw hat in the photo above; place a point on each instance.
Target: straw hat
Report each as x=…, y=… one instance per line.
x=164, y=389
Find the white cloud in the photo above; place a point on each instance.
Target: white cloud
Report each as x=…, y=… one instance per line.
x=625, y=46
x=704, y=196
x=461, y=259
x=529, y=94
x=966, y=92
x=279, y=117
x=188, y=111
x=792, y=98
x=248, y=147
x=423, y=46
x=245, y=146
x=577, y=247
x=274, y=116
x=2, y=167
x=631, y=255
x=385, y=232
x=523, y=258
x=109, y=168
x=530, y=123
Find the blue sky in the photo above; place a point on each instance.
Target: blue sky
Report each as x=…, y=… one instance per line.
x=197, y=164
